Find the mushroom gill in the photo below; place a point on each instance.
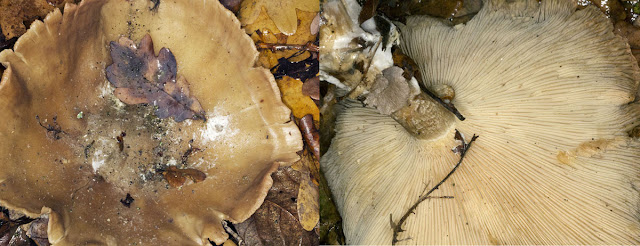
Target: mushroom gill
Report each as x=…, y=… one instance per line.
x=103, y=169
x=549, y=90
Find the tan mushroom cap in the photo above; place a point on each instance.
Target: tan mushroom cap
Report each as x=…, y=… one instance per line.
x=548, y=89
x=57, y=69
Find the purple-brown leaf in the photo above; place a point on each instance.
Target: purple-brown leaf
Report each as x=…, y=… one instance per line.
x=142, y=77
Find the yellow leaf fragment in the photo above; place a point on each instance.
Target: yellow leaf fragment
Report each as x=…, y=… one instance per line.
x=282, y=12
x=292, y=96
x=229, y=243
x=308, y=207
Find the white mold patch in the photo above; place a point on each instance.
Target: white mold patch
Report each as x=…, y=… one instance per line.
x=217, y=127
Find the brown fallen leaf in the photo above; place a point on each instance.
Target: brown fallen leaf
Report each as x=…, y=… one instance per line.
x=142, y=77
x=233, y=5
x=311, y=88
x=310, y=135
x=38, y=231
x=20, y=238
x=17, y=15
x=176, y=177
x=276, y=221
x=314, y=27
x=11, y=232
x=369, y=9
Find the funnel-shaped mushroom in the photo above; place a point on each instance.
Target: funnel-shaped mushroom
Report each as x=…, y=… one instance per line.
x=548, y=89
x=113, y=173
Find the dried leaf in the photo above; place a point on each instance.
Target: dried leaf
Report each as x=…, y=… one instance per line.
x=141, y=77
x=311, y=88
x=20, y=238
x=282, y=12
x=14, y=14
x=302, y=70
x=38, y=231
x=176, y=177
x=10, y=231
x=315, y=25
x=308, y=204
x=233, y=5
x=292, y=96
x=310, y=135
x=308, y=207
x=276, y=221
x=368, y=10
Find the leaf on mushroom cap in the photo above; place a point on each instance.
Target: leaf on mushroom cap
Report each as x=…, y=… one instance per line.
x=141, y=77
x=548, y=89
x=81, y=177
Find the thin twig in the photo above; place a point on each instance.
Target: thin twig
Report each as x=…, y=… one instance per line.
x=448, y=106
x=53, y=131
x=397, y=227
x=277, y=47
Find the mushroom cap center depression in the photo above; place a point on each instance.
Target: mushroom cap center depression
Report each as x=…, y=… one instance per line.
x=128, y=145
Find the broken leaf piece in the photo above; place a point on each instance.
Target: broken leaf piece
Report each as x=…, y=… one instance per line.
x=292, y=96
x=176, y=177
x=282, y=12
x=141, y=77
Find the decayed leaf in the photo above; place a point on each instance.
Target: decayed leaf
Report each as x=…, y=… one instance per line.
x=276, y=221
x=311, y=88
x=14, y=14
x=302, y=70
x=282, y=12
x=292, y=96
x=310, y=135
x=264, y=30
x=233, y=5
x=176, y=177
x=308, y=208
x=38, y=231
x=11, y=232
x=308, y=195
x=141, y=77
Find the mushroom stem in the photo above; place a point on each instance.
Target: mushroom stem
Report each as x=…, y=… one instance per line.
x=419, y=111
x=424, y=117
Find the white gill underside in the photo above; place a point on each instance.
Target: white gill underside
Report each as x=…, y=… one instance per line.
x=534, y=82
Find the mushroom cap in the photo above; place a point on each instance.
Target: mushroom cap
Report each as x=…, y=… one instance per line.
x=549, y=90
x=57, y=69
